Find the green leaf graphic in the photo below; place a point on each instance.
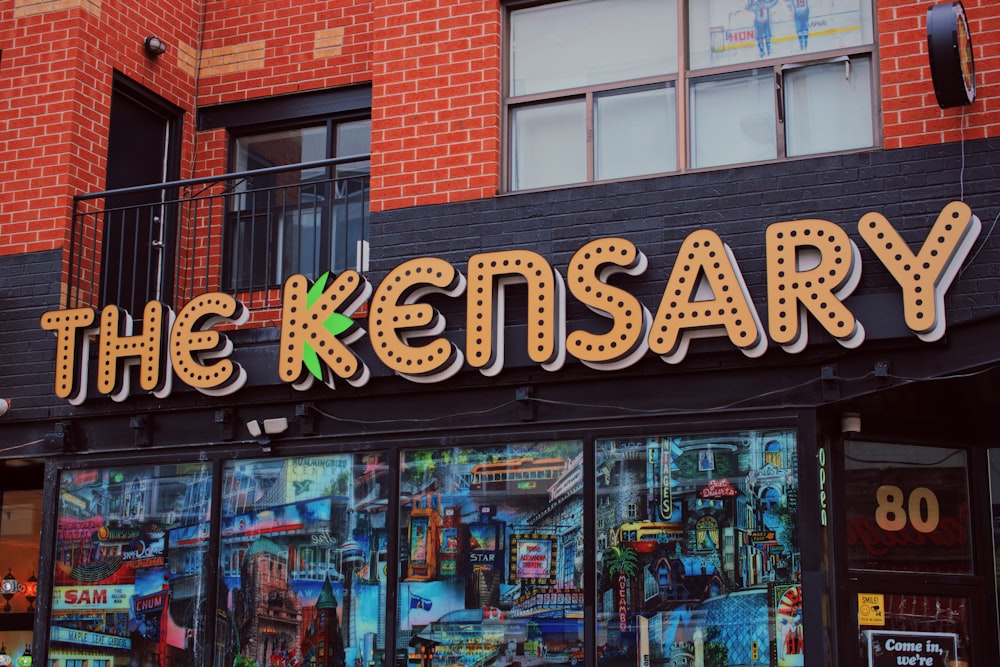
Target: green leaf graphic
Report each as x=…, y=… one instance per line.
x=311, y=360
x=338, y=323
x=317, y=289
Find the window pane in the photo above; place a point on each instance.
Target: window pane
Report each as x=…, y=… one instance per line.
x=302, y=560
x=710, y=561
x=353, y=138
x=733, y=119
x=301, y=221
x=269, y=205
x=129, y=559
x=492, y=547
x=828, y=107
x=636, y=133
x=20, y=530
x=588, y=42
x=726, y=32
x=274, y=149
x=907, y=508
x=549, y=145
x=300, y=238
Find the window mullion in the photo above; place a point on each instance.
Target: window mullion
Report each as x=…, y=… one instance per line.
x=681, y=93
x=591, y=158
x=779, y=100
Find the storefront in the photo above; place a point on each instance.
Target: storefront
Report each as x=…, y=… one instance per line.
x=828, y=507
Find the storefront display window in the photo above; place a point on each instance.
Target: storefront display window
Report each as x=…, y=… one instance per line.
x=302, y=560
x=129, y=566
x=710, y=566
x=491, y=550
x=994, y=457
x=907, y=508
x=20, y=529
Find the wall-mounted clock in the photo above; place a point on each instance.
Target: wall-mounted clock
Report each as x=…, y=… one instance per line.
x=949, y=47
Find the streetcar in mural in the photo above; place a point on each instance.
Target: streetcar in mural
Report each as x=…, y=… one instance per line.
x=646, y=536
x=517, y=475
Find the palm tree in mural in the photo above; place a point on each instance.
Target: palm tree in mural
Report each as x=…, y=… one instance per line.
x=621, y=561
x=622, y=564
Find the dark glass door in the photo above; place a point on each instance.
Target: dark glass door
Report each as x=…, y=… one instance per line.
x=915, y=589
x=137, y=248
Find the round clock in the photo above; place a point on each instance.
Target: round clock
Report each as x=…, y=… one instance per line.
x=949, y=47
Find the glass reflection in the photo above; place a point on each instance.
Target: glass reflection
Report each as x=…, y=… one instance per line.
x=698, y=554
x=491, y=543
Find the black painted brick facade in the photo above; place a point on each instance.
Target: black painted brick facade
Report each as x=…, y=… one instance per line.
x=908, y=186
x=29, y=286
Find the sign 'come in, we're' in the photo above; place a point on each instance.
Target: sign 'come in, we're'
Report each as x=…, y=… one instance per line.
x=812, y=267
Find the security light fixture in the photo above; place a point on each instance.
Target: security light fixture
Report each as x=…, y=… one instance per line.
x=261, y=429
x=850, y=423
x=154, y=46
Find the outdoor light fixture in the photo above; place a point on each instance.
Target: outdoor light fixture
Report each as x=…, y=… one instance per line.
x=5, y=660
x=4, y=406
x=262, y=430
x=256, y=428
x=154, y=46
x=850, y=423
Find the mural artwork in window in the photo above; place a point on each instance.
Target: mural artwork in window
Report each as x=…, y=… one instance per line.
x=710, y=568
x=725, y=32
x=302, y=559
x=491, y=559
x=129, y=562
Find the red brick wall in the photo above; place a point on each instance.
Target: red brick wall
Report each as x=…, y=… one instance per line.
x=436, y=90
x=258, y=49
x=910, y=113
x=435, y=68
x=56, y=73
x=437, y=81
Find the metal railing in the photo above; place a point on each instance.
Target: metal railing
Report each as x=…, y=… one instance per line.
x=240, y=233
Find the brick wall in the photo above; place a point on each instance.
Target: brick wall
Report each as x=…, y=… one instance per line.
x=29, y=285
x=256, y=49
x=437, y=78
x=436, y=86
x=56, y=73
x=435, y=68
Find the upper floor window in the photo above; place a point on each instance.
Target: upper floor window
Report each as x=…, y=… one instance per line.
x=609, y=89
x=308, y=218
x=296, y=195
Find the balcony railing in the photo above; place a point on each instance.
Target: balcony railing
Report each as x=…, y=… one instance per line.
x=239, y=233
